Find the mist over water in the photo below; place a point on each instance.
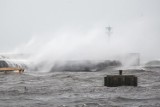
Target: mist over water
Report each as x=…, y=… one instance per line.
x=134, y=36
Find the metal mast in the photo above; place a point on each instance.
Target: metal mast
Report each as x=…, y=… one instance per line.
x=109, y=32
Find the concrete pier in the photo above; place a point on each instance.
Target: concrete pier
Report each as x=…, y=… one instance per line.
x=9, y=69
x=120, y=80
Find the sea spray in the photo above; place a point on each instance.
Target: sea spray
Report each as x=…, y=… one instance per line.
x=48, y=48
x=73, y=46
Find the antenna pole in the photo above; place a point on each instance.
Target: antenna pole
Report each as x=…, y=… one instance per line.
x=109, y=32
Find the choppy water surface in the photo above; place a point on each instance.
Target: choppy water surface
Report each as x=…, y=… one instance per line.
x=77, y=89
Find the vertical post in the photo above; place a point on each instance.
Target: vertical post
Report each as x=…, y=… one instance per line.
x=5, y=72
x=19, y=71
x=109, y=32
x=120, y=72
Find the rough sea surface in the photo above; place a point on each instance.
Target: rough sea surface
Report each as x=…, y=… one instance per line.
x=78, y=89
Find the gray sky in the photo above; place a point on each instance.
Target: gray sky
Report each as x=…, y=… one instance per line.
x=21, y=19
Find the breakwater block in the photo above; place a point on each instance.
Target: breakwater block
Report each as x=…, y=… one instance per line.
x=120, y=80
x=9, y=69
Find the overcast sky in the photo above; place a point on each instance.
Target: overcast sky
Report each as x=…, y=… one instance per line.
x=21, y=19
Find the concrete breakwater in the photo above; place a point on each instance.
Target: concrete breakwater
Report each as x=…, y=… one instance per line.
x=84, y=65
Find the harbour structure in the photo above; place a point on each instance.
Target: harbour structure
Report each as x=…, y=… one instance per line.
x=9, y=66
x=7, y=70
x=120, y=80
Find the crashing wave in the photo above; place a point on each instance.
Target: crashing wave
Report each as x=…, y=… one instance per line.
x=153, y=64
x=84, y=65
x=12, y=63
x=12, y=60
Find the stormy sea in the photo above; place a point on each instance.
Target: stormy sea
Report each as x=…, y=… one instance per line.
x=79, y=89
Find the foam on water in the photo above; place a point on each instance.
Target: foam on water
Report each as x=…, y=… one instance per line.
x=80, y=89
